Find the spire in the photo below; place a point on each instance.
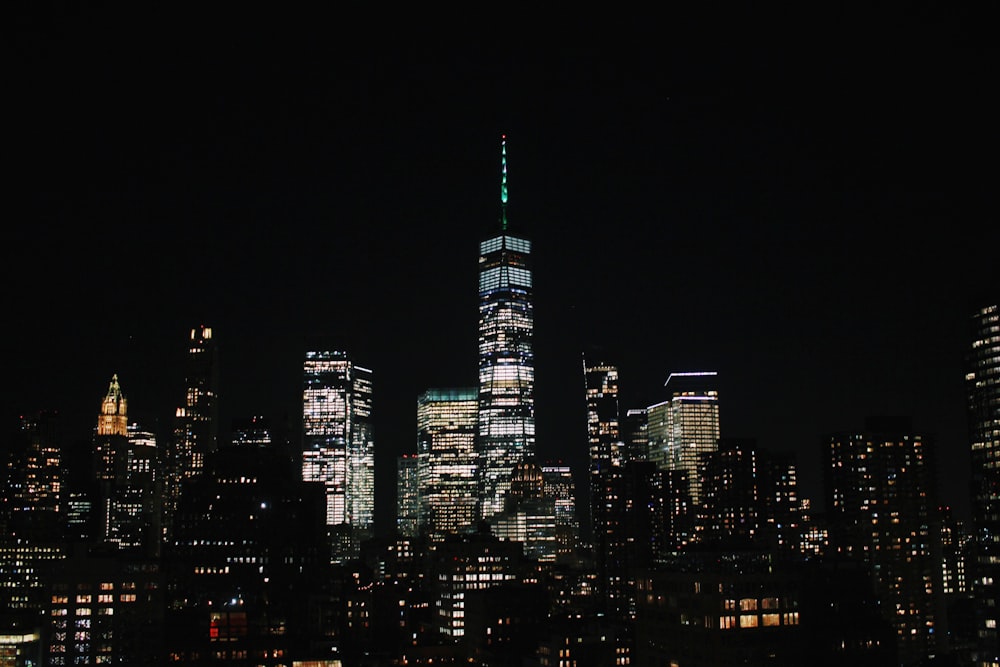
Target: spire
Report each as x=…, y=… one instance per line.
x=503, y=182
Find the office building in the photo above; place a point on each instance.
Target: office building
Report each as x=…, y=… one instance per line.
x=196, y=427
x=634, y=434
x=407, y=496
x=447, y=466
x=338, y=446
x=506, y=357
x=128, y=475
x=196, y=420
x=982, y=384
x=529, y=514
x=559, y=485
x=685, y=427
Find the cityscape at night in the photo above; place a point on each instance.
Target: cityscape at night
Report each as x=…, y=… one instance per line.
x=551, y=342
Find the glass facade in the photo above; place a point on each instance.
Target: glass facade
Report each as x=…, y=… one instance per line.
x=338, y=445
x=686, y=426
x=446, y=467
x=506, y=359
x=407, y=505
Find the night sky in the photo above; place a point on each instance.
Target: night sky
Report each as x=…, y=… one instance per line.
x=803, y=201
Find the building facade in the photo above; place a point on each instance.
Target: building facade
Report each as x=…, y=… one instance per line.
x=407, y=496
x=879, y=485
x=196, y=421
x=982, y=383
x=685, y=427
x=338, y=446
x=446, y=466
x=127, y=471
x=506, y=357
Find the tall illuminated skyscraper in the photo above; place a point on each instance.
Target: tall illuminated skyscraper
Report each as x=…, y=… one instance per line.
x=982, y=382
x=506, y=358
x=127, y=472
x=338, y=447
x=407, y=496
x=685, y=426
x=446, y=467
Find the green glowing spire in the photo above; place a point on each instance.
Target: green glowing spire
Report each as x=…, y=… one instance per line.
x=503, y=182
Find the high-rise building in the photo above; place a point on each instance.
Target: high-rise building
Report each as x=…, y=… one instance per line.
x=560, y=486
x=982, y=384
x=33, y=486
x=196, y=429
x=879, y=485
x=338, y=446
x=506, y=357
x=634, y=433
x=128, y=473
x=248, y=560
x=603, y=435
x=407, y=496
x=684, y=427
x=446, y=467
x=750, y=499
x=196, y=421
x=32, y=507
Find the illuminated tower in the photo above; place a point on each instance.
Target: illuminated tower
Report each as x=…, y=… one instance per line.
x=446, y=467
x=506, y=359
x=338, y=447
x=683, y=428
x=407, y=505
x=982, y=381
x=125, y=467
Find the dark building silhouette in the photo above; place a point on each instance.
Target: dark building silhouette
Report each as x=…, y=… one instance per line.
x=196, y=421
x=246, y=568
x=749, y=499
x=880, y=490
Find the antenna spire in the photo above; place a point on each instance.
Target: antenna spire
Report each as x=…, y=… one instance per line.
x=503, y=182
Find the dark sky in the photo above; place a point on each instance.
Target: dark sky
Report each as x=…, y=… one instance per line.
x=802, y=201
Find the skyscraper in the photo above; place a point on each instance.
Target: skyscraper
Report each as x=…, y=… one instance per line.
x=407, y=497
x=685, y=426
x=196, y=430
x=879, y=486
x=982, y=382
x=127, y=470
x=338, y=445
x=446, y=467
x=196, y=422
x=506, y=358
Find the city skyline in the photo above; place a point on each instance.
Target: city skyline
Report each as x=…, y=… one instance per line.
x=812, y=240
